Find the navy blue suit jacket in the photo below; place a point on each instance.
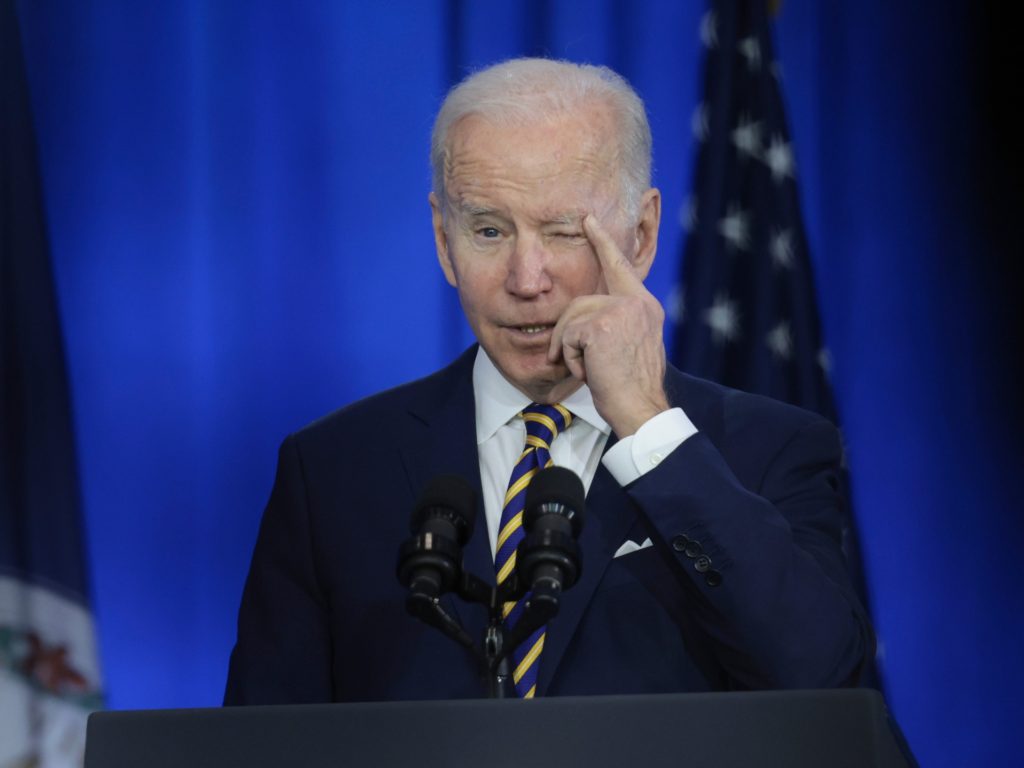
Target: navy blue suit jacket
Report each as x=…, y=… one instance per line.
x=755, y=491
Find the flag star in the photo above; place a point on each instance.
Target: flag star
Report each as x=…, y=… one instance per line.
x=735, y=228
x=699, y=122
x=746, y=137
x=779, y=157
x=723, y=317
x=709, y=30
x=675, y=305
x=824, y=360
x=688, y=214
x=750, y=49
x=781, y=249
x=780, y=341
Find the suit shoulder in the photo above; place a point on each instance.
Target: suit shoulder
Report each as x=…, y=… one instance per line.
x=382, y=410
x=751, y=430
x=711, y=401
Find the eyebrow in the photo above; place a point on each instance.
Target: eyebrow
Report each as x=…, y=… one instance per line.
x=469, y=209
x=567, y=219
x=558, y=219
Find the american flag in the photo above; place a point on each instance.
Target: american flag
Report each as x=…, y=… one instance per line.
x=747, y=312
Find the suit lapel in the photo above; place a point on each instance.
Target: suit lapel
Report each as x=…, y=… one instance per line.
x=608, y=516
x=443, y=441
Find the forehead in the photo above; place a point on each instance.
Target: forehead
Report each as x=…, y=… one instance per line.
x=572, y=156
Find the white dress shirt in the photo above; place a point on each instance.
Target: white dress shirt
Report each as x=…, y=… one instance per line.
x=501, y=435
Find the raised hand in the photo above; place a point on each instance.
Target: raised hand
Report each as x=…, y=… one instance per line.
x=613, y=341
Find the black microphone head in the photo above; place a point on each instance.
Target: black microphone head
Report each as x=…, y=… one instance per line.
x=451, y=496
x=556, y=486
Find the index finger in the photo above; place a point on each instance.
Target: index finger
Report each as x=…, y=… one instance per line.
x=619, y=276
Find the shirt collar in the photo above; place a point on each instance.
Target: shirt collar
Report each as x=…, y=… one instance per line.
x=498, y=401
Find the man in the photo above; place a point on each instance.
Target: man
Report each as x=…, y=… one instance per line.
x=711, y=556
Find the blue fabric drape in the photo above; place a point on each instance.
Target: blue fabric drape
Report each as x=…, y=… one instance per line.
x=237, y=203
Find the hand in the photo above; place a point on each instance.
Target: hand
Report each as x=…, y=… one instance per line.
x=614, y=342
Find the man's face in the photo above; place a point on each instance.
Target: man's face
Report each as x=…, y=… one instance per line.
x=511, y=238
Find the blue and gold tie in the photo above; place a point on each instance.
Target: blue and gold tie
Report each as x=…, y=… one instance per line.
x=543, y=423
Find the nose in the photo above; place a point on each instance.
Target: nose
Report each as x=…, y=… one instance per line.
x=528, y=268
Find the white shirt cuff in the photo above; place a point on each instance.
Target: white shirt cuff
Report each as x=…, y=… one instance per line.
x=639, y=453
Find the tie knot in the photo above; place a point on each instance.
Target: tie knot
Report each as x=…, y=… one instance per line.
x=544, y=422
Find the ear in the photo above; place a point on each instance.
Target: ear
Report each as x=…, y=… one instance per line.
x=647, y=232
x=441, y=240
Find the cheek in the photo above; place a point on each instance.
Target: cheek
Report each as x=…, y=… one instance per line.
x=583, y=275
x=479, y=287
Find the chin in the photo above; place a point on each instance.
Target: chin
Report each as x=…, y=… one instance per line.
x=536, y=381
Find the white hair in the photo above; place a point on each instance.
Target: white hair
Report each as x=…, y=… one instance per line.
x=521, y=91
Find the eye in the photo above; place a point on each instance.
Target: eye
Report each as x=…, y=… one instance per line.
x=488, y=232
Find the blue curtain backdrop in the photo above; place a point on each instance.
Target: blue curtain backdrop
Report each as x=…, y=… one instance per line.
x=236, y=194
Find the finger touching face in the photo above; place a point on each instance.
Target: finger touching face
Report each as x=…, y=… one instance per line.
x=625, y=265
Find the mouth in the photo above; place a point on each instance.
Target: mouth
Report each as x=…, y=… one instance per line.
x=532, y=330
x=530, y=334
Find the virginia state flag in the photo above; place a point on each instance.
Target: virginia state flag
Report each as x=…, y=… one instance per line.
x=49, y=674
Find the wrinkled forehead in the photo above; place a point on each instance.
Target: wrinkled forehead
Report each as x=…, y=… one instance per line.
x=579, y=148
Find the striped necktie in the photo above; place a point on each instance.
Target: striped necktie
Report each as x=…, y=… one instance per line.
x=543, y=423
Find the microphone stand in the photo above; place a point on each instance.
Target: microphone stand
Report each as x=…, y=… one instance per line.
x=498, y=643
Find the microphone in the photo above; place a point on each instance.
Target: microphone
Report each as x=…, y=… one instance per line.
x=548, y=558
x=441, y=524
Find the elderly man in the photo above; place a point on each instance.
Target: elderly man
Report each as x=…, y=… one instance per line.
x=711, y=543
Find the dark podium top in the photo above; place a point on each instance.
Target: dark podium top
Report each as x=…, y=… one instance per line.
x=771, y=728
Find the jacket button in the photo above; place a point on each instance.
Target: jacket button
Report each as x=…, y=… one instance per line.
x=679, y=542
x=702, y=563
x=712, y=578
x=693, y=549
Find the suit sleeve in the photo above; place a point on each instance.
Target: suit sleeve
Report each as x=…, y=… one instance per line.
x=762, y=570
x=283, y=651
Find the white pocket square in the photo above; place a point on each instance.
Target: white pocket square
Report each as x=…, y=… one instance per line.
x=631, y=546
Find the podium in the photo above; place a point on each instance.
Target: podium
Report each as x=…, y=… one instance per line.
x=833, y=728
